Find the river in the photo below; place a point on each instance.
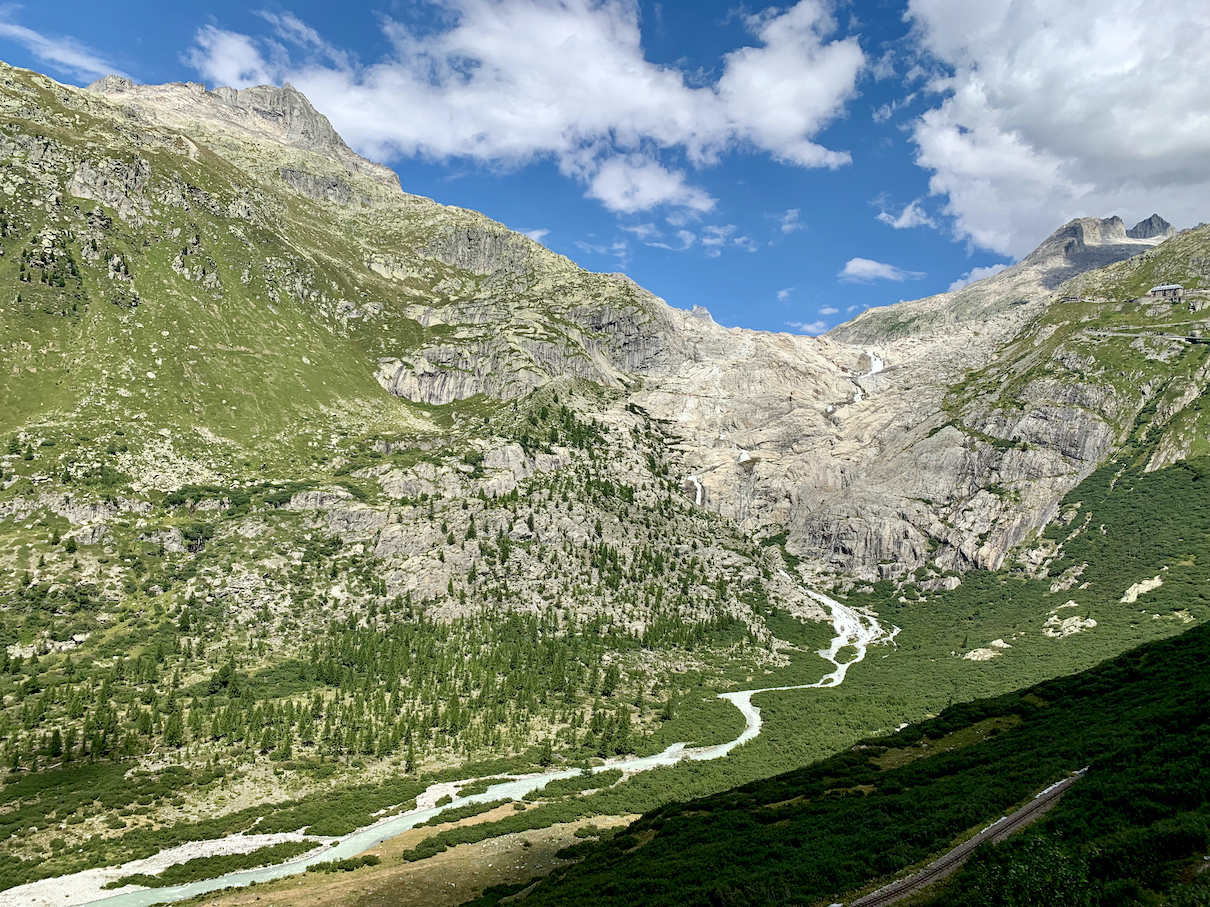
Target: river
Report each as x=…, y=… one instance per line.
x=853, y=629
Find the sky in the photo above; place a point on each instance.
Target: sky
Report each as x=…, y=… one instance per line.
x=785, y=166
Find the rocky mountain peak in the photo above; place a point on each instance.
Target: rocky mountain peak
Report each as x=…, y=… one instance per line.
x=1154, y=227
x=280, y=114
x=1081, y=245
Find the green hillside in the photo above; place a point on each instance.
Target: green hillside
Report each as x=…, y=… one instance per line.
x=1132, y=831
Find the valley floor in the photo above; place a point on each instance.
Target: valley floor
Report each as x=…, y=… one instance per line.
x=853, y=630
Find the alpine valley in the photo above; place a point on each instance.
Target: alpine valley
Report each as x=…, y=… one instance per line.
x=360, y=550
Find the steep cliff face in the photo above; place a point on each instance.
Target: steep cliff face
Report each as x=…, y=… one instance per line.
x=987, y=442
x=1154, y=227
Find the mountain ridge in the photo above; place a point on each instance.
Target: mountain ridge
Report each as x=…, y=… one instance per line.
x=778, y=431
x=281, y=114
x=1082, y=244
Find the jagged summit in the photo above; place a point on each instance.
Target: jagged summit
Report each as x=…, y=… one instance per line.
x=1080, y=245
x=1152, y=228
x=280, y=114
x=1083, y=244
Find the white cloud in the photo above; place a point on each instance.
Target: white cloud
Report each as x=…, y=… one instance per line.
x=717, y=235
x=635, y=182
x=687, y=239
x=911, y=216
x=509, y=81
x=229, y=58
x=828, y=310
x=714, y=238
x=975, y=274
x=777, y=94
x=864, y=270
x=789, y=221
x=644, y=232
x=537, y=235
x=886, y=111
x=783, y=295
x=600, y=248
x=884, y=66
x=815, y=327
x=67, y=55
x=290, y=28
x=1055, y=110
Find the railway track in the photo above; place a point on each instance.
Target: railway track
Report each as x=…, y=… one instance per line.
x=943, y=866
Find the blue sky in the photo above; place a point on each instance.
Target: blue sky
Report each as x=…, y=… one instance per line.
x=783, y=165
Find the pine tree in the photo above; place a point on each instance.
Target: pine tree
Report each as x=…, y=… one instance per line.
x=174, y=731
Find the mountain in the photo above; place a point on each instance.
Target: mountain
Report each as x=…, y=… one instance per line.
x=1152, y=228
x=1015, y=294
x=779, y=432
x=316, y=496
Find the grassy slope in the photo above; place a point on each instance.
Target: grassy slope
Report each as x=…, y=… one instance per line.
x=1138, y=722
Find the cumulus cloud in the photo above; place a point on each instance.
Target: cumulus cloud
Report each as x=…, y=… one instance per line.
x=864, y=270
x=537, y=235
x=64, y=54
x=975, y=274
x=828, y=310
x=1050, y=111
x=814, y=327
x=783, y=295
x=912, y=215
x=778, y=94
x=510, y=81
x=635, y=182
x=228, y=58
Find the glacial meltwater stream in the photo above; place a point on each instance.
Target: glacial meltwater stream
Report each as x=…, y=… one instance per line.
x=853, y=628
